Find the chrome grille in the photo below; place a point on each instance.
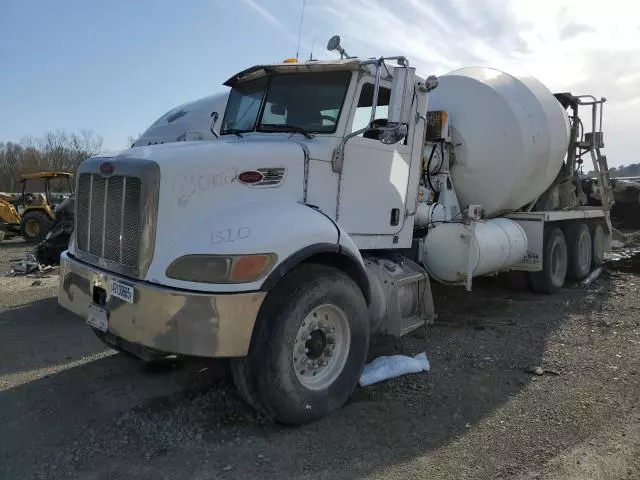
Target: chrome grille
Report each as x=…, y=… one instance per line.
x=108, y=218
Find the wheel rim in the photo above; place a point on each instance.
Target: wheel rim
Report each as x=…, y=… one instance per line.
x=558, y=264
x=321, y=347
x=32, y=228
x=584, y=250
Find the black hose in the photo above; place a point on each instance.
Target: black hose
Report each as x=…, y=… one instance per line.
x=428, y=169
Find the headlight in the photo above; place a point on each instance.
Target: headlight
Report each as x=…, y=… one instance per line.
x=221, y=268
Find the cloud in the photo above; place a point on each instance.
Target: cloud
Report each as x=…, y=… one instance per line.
x=573, y=29
x=587, y=47
x=266, y=14
x=289, y=10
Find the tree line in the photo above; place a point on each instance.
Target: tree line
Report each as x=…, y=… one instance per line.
x=56, y=151
x=64, y=152
x=632, y=170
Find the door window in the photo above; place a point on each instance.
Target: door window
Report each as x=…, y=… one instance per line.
x=365, y=104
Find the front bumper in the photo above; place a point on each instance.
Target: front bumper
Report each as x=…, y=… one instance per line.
x=164, y=319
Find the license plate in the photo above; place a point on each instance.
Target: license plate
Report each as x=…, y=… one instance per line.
x=97, y=317
x=121, y=290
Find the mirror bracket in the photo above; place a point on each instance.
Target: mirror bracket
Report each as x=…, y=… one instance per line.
x=214, y=119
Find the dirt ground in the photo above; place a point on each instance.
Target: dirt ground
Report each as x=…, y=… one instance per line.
x=71, y=408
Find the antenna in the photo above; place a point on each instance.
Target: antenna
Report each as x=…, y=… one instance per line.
x=300, y=28
x=312, y=46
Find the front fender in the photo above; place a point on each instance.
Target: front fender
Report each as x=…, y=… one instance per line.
x=344, y=256
x=279, y=226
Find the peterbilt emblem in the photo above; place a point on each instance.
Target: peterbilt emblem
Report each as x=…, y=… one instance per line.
x=263, y=177
x=106, y=168
x=250, y=177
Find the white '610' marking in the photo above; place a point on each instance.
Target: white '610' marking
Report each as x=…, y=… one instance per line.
x=230, y=235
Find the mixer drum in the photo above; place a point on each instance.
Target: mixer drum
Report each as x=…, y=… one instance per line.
x=510, y=136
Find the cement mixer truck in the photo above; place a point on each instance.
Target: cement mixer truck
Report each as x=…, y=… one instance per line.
x=337, y=191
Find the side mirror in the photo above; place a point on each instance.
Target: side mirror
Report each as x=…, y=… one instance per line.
x=393, y=136
x=402, y=91
x=277, y=109
x=212, y=124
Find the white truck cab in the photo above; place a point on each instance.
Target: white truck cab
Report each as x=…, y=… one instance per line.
x=288, y=241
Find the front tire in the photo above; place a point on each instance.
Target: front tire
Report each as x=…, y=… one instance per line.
x=35, y=225
x=310, y=346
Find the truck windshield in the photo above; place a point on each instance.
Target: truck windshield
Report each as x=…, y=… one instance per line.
x=301, y=102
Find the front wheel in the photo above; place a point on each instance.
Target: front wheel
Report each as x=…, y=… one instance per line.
x=35, y=225
x=310, y=346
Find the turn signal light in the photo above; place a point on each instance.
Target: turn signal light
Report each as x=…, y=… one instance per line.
x=249, y=268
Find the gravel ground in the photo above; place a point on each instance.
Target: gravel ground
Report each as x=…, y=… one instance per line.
x=71, y=408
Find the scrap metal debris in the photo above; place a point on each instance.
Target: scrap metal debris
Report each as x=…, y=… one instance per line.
x=45, y=257
x=48, y=251
x=592, y=277
x=626, y=209
x=625, y=254
x=24, y=266
x=617, y=244
x=28, y=266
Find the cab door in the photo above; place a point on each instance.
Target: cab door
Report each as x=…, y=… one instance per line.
x=372, y=195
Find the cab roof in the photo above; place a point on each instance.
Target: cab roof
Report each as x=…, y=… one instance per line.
x=30, y=176
x=258, y=71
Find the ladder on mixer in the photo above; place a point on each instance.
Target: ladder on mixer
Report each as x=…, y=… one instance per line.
x=593, y=142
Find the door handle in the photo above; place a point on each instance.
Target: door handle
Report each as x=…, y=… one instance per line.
x=395, y=216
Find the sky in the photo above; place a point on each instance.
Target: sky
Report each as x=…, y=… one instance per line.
x=113, y=67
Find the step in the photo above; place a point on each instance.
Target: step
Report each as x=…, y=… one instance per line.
x=409, y=324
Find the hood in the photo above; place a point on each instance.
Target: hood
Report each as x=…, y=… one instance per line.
x=200, y=179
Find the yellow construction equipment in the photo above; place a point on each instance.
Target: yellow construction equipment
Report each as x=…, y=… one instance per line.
x=31, y=214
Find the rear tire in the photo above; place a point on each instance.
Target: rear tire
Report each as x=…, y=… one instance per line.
x=35, y=225
x=309, y=346
x=554, y=263
x=598, y=237
x=579, y=247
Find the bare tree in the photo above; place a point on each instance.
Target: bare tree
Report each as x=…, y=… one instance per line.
x=55, y=151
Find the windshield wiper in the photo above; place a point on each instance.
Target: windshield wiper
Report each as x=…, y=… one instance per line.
x=285, y=128
x=233, y=131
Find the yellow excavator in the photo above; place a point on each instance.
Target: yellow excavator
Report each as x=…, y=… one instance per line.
x=31, y=213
